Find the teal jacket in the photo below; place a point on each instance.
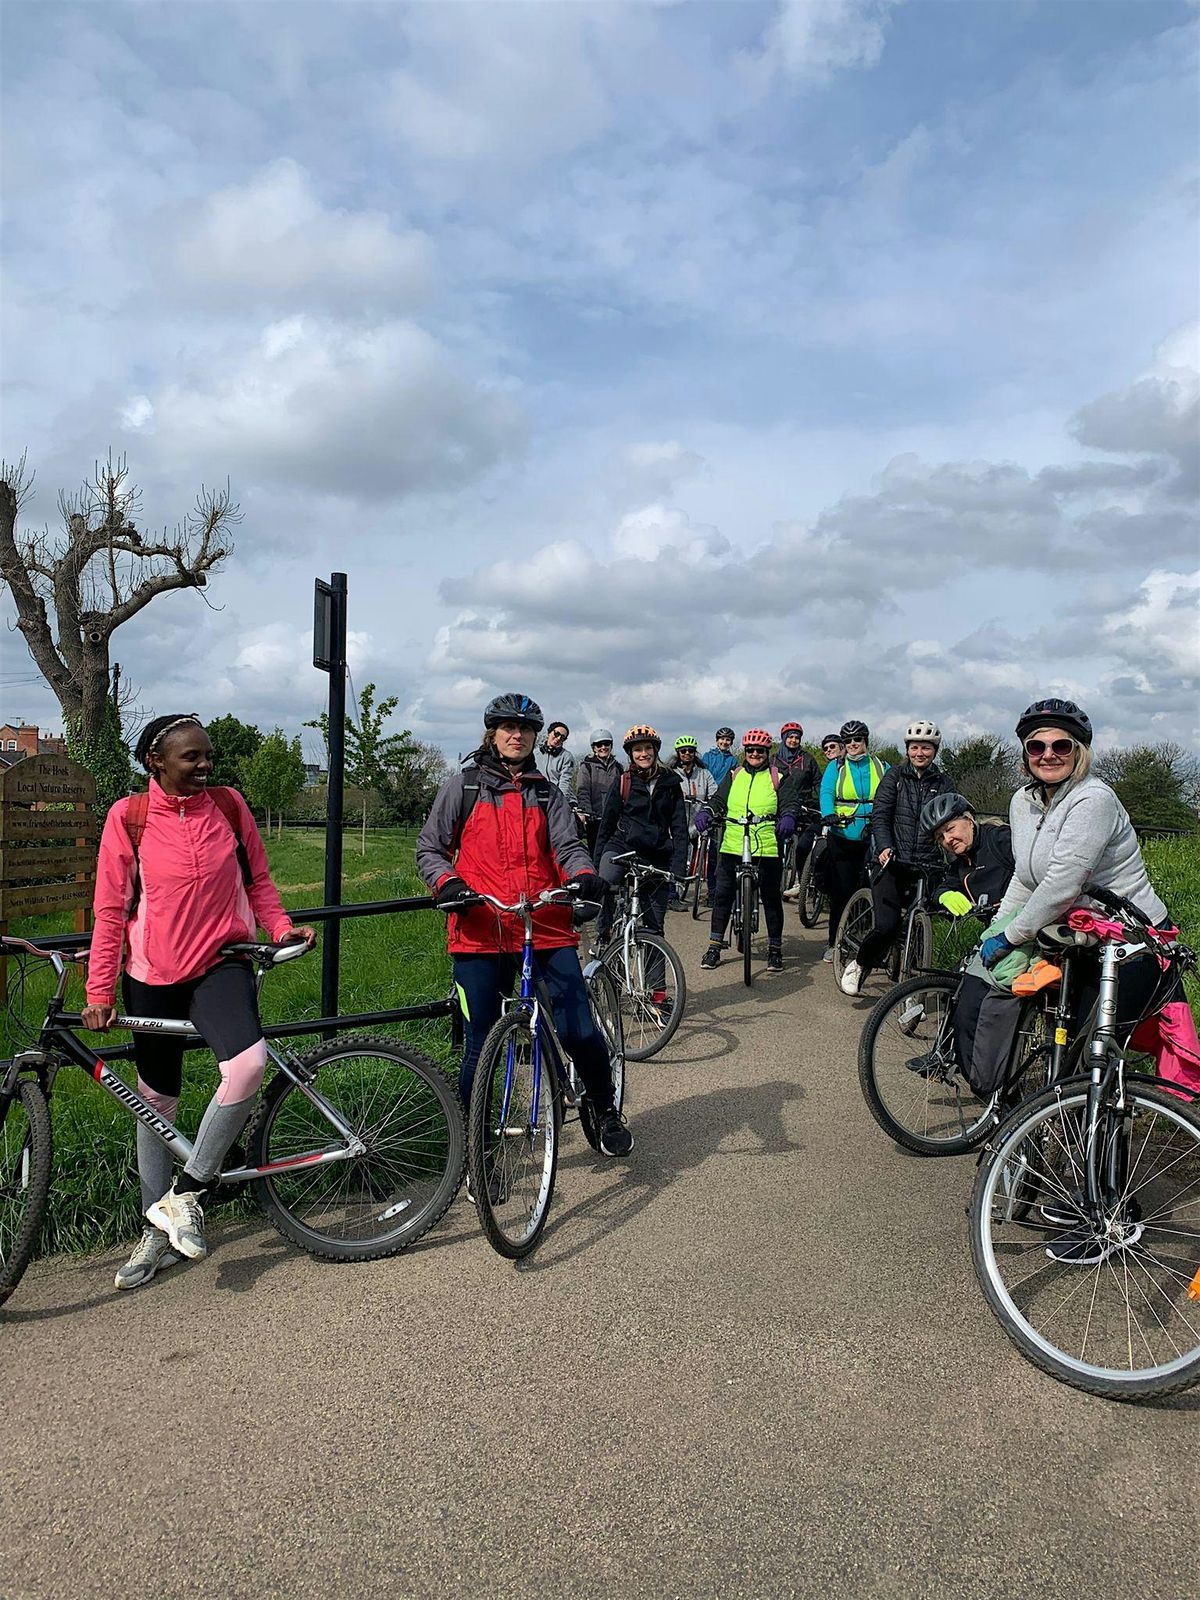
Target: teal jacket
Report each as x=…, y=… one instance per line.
x=861, y=773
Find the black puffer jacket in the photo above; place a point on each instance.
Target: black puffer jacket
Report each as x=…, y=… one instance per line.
x=652, y=821
x=896, y=817
x=985, y=869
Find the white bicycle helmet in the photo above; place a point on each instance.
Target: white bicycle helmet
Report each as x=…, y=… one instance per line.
x=923, y=732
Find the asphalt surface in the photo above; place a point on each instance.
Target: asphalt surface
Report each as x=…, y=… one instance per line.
x=750, y=1361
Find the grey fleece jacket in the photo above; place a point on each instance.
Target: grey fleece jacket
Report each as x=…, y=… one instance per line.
x=1083, y=836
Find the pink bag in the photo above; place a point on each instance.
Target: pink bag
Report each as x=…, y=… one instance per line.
x=1170, y=1036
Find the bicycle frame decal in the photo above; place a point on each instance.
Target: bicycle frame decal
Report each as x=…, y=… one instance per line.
x=132, y=1101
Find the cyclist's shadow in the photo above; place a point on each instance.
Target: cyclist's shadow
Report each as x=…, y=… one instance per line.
x=670, y=1140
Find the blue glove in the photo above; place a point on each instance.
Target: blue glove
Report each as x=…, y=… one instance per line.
x=994, y=949
x=702, y=819
x=786, y=826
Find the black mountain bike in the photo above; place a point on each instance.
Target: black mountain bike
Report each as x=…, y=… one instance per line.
x=354, y=1151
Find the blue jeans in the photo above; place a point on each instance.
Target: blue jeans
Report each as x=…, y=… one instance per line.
x=483, y=982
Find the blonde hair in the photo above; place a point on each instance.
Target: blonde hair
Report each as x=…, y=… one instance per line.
x=1083, y=762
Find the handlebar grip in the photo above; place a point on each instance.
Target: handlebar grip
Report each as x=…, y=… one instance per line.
x=1116, y=902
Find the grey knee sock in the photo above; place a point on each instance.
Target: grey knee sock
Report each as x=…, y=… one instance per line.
x=218, y=1131
x=155, y=1166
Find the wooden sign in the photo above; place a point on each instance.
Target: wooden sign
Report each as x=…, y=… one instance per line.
x=32, y=863
x=34, y=900
x=47, y=780
x=44, y=799
x=18, y=824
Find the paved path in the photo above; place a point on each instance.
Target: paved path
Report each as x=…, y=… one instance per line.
x=752, y=1361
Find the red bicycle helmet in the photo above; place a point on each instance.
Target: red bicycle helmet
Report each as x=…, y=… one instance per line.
x=756, y=739
x=791, y=727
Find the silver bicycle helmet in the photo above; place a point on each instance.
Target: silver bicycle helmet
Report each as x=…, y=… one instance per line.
x=943, y=808
x=602, y=736
x=923, y=733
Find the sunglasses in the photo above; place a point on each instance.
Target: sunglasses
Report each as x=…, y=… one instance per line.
x=756, y=750
x=856, y=741
x=602, y=744
x=1037, y=748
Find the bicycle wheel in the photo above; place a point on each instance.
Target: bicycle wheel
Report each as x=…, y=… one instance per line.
x=918, y=947
x=403, y=1109
x=512, y=1143
x=606, y=1012
x=787, y=872
x=748, y=891
x=1123, y=1321
x=812, y=896
x=857, y=921
x=26, y=1146
x=907, y=1071
x=701, y=881
x=653, y=969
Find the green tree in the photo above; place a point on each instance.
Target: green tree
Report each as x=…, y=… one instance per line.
x=104, y=755
x=1155, y=783
x=409, y=788
x=233, y=742
x=372, y=755
x=274, y=775
x=984, y=768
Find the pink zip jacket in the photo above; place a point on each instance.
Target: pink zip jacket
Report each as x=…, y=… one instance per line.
x=192, y=901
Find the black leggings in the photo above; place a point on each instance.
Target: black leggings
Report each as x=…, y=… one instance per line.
x=845, y=872
x=770, y=878
x=221, y=1005
x=892, y=890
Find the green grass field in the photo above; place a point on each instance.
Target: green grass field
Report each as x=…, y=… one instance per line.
x=386, y=962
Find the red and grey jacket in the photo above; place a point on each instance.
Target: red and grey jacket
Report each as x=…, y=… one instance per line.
x=518, y=836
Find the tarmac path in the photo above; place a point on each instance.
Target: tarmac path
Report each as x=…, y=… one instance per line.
x=750, y=1361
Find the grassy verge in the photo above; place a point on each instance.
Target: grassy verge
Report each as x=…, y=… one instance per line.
x=386, y=962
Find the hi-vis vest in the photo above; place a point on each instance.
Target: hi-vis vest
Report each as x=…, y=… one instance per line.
x=847, y=800
x=757, y=794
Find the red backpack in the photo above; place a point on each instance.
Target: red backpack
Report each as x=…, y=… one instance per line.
x=137, y=811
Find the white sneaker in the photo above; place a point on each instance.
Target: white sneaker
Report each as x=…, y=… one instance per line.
x=828, y=955
x=181, y=1218
x=793, y=893
x=152, y=1254
x=852, y=977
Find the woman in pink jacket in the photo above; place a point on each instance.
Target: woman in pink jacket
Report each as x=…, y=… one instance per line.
x=174, y=883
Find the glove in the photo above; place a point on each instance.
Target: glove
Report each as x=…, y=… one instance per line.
x=994, y=949
x=587, y=885
x=452, y=889
x=830, y=821
x=957, y=904
x=786, y=826
x=702, y=819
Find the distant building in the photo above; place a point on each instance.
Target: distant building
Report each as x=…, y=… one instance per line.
x=21, y=739
x=314, y=775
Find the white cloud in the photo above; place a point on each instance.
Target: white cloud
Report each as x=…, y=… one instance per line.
x=812, y=39
x=270, y=241
x=367, y=412
x=1160, y=412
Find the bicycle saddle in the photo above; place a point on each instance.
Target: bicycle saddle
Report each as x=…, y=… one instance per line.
x=1056, y=934
x=267, y=955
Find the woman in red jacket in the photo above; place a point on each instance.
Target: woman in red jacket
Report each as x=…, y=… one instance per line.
x=188, y=876
x=500, y=828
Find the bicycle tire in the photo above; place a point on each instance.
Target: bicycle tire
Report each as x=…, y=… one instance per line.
x=1106, y=1309
x=645, y=1034
x=918, y=951
x=923, y=1114
x=748, y=890
x=857, y=921
x=512, y=1195
x=605, y=1004
x=415, y=1159
x=787, y=874
x=26, y=1156
x=812, y=896
x=701, y=881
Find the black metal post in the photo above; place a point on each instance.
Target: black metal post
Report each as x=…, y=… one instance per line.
x=331, y=946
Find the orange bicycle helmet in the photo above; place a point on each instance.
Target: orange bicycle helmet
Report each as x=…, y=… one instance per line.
x=641, y=733
x=756, y=738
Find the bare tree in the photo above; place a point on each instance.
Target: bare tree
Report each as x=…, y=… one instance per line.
x=96, y=574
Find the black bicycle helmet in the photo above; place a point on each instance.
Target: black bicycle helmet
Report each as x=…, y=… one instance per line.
x=831, y=738
x=1055, y=713
x=513, y=708
x=726, y=733
x=854, y=730
x=944, y=808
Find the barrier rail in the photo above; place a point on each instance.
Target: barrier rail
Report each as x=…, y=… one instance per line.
x=327, y=1025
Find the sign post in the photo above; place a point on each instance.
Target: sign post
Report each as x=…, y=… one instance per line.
x=329, y=655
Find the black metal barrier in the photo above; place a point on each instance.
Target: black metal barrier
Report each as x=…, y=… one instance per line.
x=327, y=1025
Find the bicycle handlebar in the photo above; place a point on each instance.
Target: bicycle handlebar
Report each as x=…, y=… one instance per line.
x=547, y=897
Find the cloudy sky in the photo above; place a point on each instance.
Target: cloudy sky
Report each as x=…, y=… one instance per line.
x=670, y=362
